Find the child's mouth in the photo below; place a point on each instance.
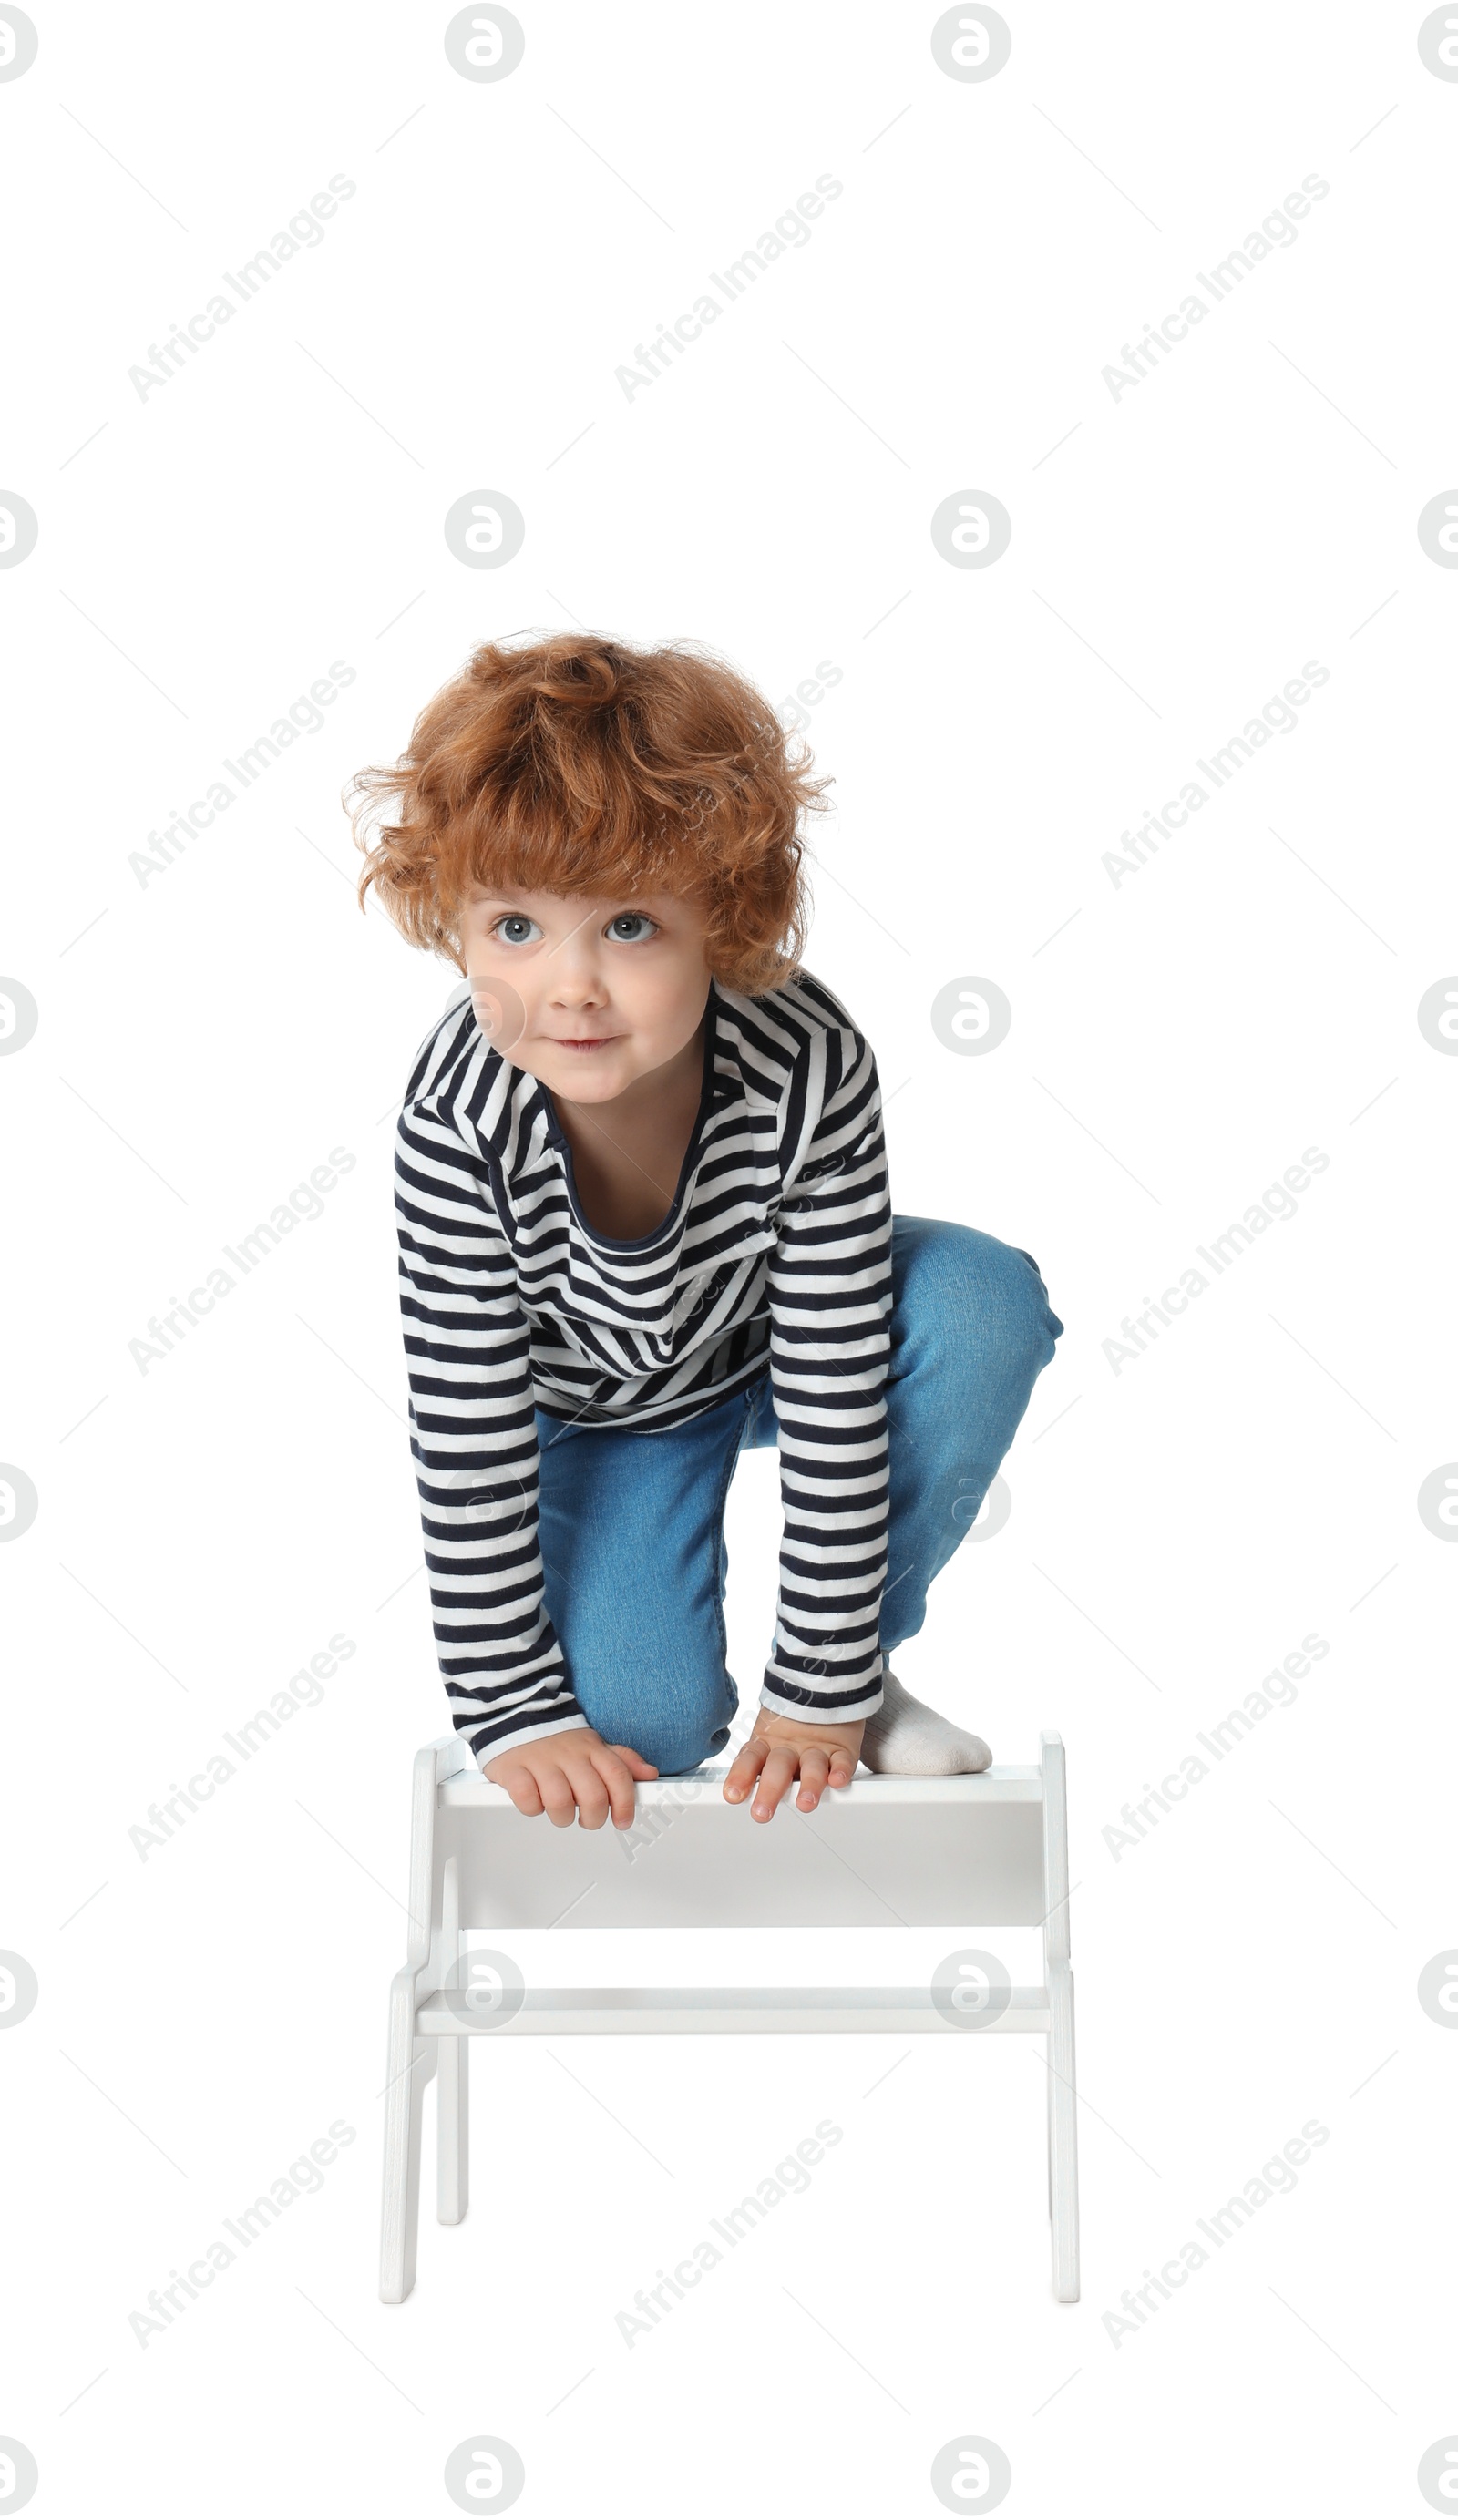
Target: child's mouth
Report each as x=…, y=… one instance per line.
x=599, y=1041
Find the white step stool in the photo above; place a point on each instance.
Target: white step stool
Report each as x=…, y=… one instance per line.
x=952, y=1851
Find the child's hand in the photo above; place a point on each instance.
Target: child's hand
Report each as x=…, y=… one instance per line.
x=778, y=1749
x=571, y=1775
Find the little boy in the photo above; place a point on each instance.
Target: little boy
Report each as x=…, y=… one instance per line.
x=644, y=1224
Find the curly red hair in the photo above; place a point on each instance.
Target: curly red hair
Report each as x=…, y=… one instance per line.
x=581, y=764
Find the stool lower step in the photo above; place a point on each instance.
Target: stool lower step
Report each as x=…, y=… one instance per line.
x=611, y=2011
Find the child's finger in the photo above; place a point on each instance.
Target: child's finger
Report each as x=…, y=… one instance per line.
x=591, y=1788
x=612, y=1766
x=814, y=1776
x=746, y=1769
x=776, y=1778
x=557, y=1795
x=520, y=1784
x=634, y=1760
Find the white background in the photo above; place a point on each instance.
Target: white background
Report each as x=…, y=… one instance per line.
x=205, y=1036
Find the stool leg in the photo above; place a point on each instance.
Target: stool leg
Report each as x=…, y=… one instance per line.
x=1063, y=2134
x=411, y=2062
x=451, y=2134
x=452, y=2137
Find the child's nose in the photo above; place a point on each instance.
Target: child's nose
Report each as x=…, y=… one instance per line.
x=578, y=985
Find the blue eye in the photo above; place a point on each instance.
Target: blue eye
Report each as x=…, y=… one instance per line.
x=638, y=918
x=508, y=926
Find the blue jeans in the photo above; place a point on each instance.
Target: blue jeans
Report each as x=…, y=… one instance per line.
x=632, y=1523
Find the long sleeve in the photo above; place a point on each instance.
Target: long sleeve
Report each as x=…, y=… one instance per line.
x=830, y=1297
x=473, y=1433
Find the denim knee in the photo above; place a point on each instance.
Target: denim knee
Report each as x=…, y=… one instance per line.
x=670, y=1762
x=1016, y=1307
x=964, y=1291
x=674, y=1726
x=676, y=1749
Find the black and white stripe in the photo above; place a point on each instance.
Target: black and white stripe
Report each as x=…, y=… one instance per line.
x=776, y=1251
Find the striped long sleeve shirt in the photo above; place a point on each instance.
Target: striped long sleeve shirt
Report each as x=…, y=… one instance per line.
x=775, y=1254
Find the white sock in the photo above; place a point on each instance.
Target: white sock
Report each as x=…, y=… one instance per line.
x=904, y=1738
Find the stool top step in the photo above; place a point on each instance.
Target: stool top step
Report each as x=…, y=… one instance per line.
x=995, y=1785
x=882, y=1851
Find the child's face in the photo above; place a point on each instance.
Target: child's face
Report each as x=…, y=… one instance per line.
x=586, y=992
